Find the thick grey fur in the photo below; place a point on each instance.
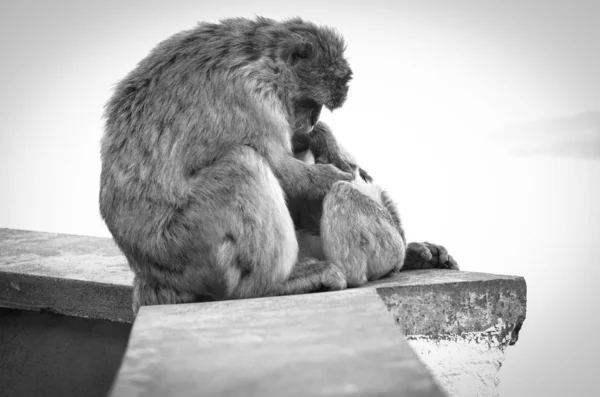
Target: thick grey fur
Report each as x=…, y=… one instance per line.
x=197, y=161
x=357, y=226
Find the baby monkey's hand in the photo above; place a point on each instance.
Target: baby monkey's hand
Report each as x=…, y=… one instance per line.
x=326, y=150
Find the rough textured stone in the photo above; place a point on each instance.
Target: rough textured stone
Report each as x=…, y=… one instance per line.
x=50, y=355
x=72, y=275
x=459, y=323
x=437, y=303
x=89, y=277
x=63, y=256
x=325, y=344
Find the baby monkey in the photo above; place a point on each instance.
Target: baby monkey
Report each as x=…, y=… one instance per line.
x=357, y=225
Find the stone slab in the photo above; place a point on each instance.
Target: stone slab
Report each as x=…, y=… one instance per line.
x=63, y=256
x=326, y=344
x=435, y=303
x=89, y=277
x=460, y=324
x=49, y=355
x=73, y=275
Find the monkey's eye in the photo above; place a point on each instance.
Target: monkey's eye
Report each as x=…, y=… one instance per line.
x=302, y=51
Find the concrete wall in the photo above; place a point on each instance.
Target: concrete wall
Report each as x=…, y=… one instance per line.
x=45, y=354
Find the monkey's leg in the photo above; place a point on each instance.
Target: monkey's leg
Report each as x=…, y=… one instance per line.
x=250, y=231
x=147, y=293
x=310, y=275
x=428, y=256
x=359, y=235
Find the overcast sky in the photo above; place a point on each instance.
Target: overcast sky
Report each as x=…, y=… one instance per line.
x=431, y=80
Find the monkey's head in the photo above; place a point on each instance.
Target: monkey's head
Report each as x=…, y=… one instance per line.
x=319, y=72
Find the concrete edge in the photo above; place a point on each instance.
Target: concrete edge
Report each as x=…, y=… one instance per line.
x=444, y=310
x=69, y=297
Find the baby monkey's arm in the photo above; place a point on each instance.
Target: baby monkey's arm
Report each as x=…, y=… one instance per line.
x=326, y=150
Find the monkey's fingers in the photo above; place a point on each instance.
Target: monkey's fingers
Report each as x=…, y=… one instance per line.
x=418, y=256
x=336, y=162
x=452, y=264
x=428, y=256
x=343, y=164
x=419, y=250
x=365, y=176
x=438, y=252
x=347, y=176
x=441, y=258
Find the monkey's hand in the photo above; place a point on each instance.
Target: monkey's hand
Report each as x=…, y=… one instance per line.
x=365, y=176
x=326, y=150
x=344, y=165
x=325, y=175
x=335, y=158
x=428, y=256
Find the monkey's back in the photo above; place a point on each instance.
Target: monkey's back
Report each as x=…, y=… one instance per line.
x=186, y=189
x=183, y=106
x=361, y=231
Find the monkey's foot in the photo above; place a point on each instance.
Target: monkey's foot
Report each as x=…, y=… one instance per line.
x=428, y=256
x=332, y=278
x=312, y=275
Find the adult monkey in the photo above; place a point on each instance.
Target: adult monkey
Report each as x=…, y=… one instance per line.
x=197, y=162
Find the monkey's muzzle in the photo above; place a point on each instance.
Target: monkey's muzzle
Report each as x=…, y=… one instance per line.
x=315, y=113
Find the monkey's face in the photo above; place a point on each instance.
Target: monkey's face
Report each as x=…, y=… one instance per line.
x=321, y=75
x=324, y=81
x=306, y=114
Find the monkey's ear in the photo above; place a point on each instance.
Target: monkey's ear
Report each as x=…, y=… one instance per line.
x=298, y=51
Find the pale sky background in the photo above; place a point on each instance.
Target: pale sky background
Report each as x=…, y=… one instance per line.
x=432, y=81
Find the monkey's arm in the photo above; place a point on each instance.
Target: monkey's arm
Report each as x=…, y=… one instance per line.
x=325, y=149
x=304, y=181
x=300, y=142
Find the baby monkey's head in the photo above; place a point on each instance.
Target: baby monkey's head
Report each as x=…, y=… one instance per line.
x=320, y=73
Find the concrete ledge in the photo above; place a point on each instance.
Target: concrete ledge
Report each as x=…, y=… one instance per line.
x=72, y=275
x=437, y=303
x=89, y=277
x=326, y=344
x=458, y=322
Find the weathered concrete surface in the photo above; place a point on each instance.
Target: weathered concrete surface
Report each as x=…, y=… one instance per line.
x=73, y=275
x=473, y=315
x=64, y=273
x=436, y=303
x=327, y=344
x=63, y=256
x=460, y=323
